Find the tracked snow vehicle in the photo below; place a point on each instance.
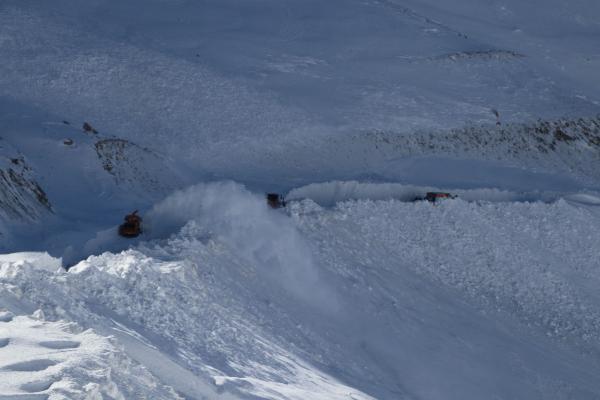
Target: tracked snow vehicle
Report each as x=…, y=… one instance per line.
x=434, y=197
x=132, y=227
x=275, y=200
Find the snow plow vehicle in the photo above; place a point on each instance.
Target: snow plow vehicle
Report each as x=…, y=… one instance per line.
x=434, y=197
x=132, y=227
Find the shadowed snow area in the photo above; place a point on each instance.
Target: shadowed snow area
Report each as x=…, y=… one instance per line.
x=190, y=111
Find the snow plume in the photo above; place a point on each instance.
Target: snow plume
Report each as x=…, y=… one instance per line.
x=229, y=214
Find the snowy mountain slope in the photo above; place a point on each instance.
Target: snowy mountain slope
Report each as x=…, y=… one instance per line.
x=538, y=29
x=546, y=155
x=280, y=94
x=353, y=108
x=210, y=79
x=384, y=299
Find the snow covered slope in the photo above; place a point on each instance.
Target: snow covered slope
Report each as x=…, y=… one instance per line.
x=351, y=107
x=370, y=299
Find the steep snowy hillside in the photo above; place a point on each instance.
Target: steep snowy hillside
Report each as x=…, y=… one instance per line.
x=279, y=93
x=189, y=111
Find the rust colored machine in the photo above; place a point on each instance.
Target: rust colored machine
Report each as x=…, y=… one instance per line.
x=132, y=227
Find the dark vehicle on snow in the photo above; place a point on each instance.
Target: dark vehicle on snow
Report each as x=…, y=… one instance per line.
x=132, y=227
x=434, y=197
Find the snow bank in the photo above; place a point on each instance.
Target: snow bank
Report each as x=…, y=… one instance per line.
x=329, y=193
x=232, y=216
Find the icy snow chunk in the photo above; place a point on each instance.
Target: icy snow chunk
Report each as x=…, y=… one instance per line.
x=124, y=264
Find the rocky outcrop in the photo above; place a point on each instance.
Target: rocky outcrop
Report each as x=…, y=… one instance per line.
x=569, y=145
x=134, y=166
x=21, y=197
